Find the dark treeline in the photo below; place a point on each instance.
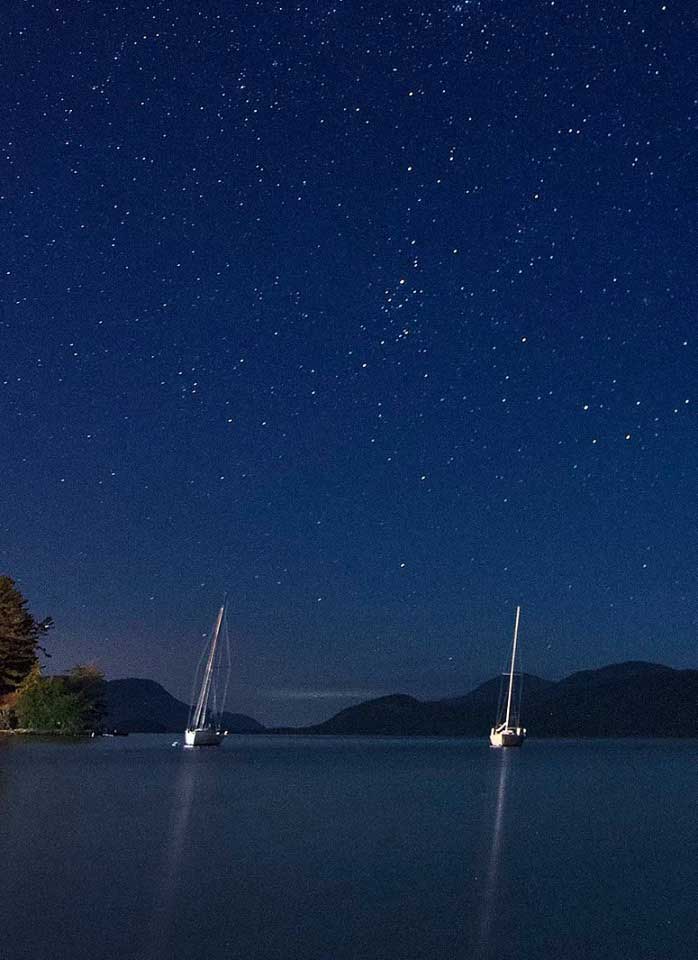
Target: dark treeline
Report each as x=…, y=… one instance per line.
x=29, y=700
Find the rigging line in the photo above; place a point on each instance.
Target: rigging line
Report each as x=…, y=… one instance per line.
x=195, y=686
x=226, y=637
x=518, y=706
x=500, y=701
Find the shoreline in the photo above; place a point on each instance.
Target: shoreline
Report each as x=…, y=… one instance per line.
x=25, y=732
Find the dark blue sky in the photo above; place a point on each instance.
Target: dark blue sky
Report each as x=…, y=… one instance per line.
x=379, y=316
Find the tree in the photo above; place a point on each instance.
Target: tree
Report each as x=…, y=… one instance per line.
x=87, y=682
x=46, y=703
x=72, y=704
x=20, y=633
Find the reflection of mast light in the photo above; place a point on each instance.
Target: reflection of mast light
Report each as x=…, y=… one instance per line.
x=490, y=893
x=163, y=908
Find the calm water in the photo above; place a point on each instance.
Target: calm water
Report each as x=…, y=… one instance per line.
x=324, y=849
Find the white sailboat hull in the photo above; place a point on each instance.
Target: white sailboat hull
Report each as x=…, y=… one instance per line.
x=510, y=737
x=202, y=737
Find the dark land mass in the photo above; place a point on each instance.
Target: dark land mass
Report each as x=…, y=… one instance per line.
x=622, y=700
x=143, y=706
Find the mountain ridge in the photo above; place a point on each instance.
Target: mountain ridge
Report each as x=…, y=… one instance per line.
x=141, y=705
x=633, y=698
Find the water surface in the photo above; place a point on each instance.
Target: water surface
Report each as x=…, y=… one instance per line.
x=330, y=848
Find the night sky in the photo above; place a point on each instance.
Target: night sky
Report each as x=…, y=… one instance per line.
x=379, y=316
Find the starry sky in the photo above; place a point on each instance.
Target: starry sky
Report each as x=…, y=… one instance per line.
x=379, y=316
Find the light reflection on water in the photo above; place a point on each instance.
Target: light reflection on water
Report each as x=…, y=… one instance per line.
x=299, y=849
x=158, y=940
x=491, y=893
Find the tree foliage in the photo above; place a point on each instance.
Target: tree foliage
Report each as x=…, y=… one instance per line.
x=87, y=682
x=20, y=634
x=69, y=704
x=45, y=703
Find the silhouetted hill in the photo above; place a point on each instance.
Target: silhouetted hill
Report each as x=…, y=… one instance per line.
x=143, y=706
x=628, y=670
x=623, y=699
x=487, y=694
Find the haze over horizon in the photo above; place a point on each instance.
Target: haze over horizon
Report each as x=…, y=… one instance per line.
x=379, y=317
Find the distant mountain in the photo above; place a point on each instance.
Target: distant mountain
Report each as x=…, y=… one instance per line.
x=143, y=706
x=623, y=699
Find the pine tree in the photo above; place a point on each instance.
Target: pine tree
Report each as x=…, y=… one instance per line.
x=19, y=636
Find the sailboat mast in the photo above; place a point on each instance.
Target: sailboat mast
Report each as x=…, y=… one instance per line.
x=202, y=703
x=511, y=672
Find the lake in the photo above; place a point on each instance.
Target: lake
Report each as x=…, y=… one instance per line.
x=330, y=848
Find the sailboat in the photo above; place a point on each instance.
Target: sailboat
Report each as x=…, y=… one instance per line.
x=509, y=733
x=204, y=727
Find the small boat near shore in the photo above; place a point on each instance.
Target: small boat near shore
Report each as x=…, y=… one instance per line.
x=509, y=732
x=205, y=720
